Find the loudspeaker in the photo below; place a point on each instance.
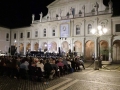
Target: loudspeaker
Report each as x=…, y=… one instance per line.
x=13, y=49
x=59, y=50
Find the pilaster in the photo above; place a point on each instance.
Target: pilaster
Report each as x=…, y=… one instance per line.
x=83, y=46
x=32, y=47
x=24, y=48
x=96, y=46
x=110, y=47
x=72, y=28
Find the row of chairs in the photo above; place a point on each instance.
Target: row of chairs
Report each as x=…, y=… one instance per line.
x=35, y=73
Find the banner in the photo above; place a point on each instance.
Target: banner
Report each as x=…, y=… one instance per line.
x=64, y=30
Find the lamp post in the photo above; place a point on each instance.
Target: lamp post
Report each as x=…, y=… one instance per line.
x=15, y=41
x=99, y=32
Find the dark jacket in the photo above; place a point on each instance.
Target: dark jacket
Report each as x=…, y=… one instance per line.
x=48, y=67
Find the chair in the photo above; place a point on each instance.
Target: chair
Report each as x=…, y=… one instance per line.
x=39, y=74
x=32, y=73
x=56, y=72
x=65, y=69
x=61, y=70
x=23, y=73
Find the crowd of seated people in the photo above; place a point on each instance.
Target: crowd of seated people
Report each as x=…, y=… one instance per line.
x=34, y=68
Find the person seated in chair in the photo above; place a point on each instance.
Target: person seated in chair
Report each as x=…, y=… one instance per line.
x=40, y=64
x=48, y=70
x=55, y=67
x=82, y=63
x=60, y=63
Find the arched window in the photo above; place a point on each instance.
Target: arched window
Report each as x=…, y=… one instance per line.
x=89, y=28
x=36, y=33
x=103, y=25
x=77, y=29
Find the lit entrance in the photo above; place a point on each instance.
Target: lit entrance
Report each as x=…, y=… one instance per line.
x=89, y=50
x=116, y=50
x=78, y=47
x=104, y=50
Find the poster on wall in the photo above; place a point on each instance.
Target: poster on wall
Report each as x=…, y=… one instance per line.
x=64, y=30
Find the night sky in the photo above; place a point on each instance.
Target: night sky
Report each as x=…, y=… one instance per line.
x=18, y=13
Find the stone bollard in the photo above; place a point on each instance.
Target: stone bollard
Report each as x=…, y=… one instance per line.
x=96, y=65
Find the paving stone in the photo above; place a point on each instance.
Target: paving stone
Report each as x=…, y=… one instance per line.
x=88, y=79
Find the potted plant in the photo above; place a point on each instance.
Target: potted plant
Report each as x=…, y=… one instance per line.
x=67, y=14
x=80, y=13
x=105, y=55
x=47, y=17
x=93, y=11
x=57, y=15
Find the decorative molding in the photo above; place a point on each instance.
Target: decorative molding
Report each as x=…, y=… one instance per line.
x=90, y=22
x=104, y=20
x=78, y=23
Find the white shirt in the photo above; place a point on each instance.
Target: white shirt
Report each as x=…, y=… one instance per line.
x=40, y=65
x=69, y=63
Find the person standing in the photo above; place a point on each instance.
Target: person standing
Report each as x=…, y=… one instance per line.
x=82, y=63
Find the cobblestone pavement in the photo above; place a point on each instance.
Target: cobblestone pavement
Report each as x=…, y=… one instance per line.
x=105, y=67
x=88, y=79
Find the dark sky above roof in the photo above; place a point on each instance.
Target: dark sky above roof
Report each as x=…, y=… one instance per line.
x=18, y=13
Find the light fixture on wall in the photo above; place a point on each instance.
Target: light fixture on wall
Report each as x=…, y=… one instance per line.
x=45, y=45
x=63, y=38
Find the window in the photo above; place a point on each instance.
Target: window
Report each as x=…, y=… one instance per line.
x=117, y=27
x=14, y=35
x=7, y=37
x=77, y=29
x=44, y=33
x=89, y=28
x=53, y=32
x=36, y=33
x=28, y=34
x=21, y=35
x=103, y=25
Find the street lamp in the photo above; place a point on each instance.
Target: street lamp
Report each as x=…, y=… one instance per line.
x=99, y=32
x=15, y=46
x=15, y=41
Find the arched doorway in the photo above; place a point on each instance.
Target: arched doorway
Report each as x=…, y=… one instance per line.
x=89, y=50
x=78, y=47
x=53, y=47
x=65, y=47
x=28, y=47
x=44, y=46
x=116, y=50
x=21, y=49
x=36, y=46
x=104, y=50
